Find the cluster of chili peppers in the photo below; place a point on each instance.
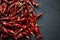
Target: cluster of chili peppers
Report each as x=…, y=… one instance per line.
x=18, y=19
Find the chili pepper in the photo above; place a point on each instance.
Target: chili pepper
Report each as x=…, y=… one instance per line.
x=27, y=1
x=0, y=8
x=3, y=36
x=7, y=24
x=34, y=3
x=9, y=7
x=19, y=19
x=5, y=30
x=7, y=18
x=39, y=15
x=31, y=20
x=9, y=2
x=26, y=34
x=4, y=7
x=15, y=36
x=37, y=32
x=20, y=35
x=10, y=31
x=20, y=26
x=28, y=37
x=21, y=8
x=30, y=10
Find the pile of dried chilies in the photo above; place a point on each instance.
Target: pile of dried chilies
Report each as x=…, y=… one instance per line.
x=18, y=19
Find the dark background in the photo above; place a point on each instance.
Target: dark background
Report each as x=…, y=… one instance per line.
x=50, y=20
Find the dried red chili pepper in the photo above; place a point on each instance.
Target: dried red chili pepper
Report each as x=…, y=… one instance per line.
x=39, y=15
x=0, y=8
x=19, y=19
x=20, y=35
x=4, y=7
x=34, y=3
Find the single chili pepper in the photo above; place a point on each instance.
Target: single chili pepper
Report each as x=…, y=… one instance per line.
x=28, y=38
x=0, y=1
x=34, y=3
x=7, y=18
x=11, y=22
x=39, y=15
x=20, y=26
x=4, y=7
x=5, y=30
x=20, y=35
x=10, y=31
x=7, y=24
x=37, y=32
x=1, y=8
x=24, y=33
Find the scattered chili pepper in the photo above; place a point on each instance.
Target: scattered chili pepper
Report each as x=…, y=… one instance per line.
x=39, y=15
x=18, y=19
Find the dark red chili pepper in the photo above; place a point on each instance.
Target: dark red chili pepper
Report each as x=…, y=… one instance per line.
x=4, y=7
x=9, y=2
x=0, y=8
x=3, y=36
x=27, y=1
x=5, y=30
x=7, y=18
x=9, y=7
x=19, y=19
x=7, y=24
x=39, y=15
x=20, y=9
x=10, y=31
x=20, y=35
x=28, y=38
x=34, y=3
x=30, y=10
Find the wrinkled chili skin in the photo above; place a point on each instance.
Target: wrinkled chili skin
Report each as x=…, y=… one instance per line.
x=18, y=19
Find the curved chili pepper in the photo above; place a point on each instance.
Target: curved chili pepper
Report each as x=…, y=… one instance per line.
x=5, y=30
x=28, y=38
x=39, y=15
x=20, y=35
x=34, y=3
x=4, y=7
x=7, y=10
x=7, y=24
x=10, y=31
x=0, y=8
